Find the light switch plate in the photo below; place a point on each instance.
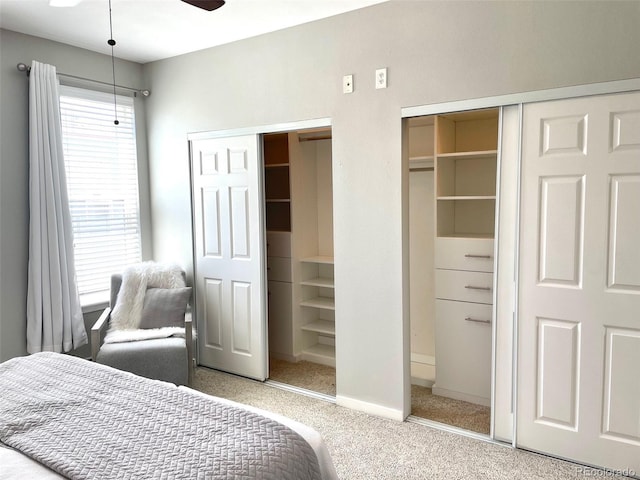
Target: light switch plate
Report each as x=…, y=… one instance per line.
x=347, y=84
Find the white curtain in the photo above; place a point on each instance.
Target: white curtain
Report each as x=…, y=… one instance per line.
x=54, y=315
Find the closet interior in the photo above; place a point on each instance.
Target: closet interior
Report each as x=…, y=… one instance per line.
x=299, y=223
x=452, y=207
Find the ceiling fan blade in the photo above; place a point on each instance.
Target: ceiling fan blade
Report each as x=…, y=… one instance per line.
x=208, y=5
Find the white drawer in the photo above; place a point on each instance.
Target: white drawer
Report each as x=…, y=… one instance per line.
x=278, y=244
x=279, y=269
x=463, y=349
x=465, y=286
x=473, y=254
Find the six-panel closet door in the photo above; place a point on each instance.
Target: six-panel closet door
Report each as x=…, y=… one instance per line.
x=229, y=266
x=579, y=295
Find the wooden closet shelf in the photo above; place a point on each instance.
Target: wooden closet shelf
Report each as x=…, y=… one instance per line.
x=325, y=303
x=326, y=327
x=319, y=282
x=319, y=259
x=467, y=155
x=467, y=197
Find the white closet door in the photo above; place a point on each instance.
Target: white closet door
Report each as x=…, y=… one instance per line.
x=229, y=255
x=579, y=331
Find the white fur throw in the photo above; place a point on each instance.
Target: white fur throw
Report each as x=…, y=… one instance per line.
x=121, y=336
x=135, y=281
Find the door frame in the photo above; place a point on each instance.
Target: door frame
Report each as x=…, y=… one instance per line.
x=236, y=132
x=508, y=392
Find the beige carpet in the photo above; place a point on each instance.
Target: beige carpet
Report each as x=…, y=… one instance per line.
x=449, y=411
x=365, y=447
x=322, y=379
x=308, y=375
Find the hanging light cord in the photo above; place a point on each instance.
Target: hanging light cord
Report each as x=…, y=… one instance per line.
x=112, y=43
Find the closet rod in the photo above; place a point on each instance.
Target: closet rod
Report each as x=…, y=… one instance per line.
x=145, y=93
x=421, y=169
x=309, y=139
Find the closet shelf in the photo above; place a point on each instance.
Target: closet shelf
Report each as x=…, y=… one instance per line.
x=467, y=235
x=422, y=161
x=468, y=155
x=325, y=303
x=325, y=327
x=319, y=282
x=324, y=259
x=467, y=197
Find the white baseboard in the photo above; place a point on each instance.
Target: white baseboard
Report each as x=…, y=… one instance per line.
x=370, y=408
x=423, y=373
x=284, y=356
x=422, y=382
x=443, y=392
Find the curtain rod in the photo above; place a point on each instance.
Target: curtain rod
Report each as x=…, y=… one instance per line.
x=24, y=68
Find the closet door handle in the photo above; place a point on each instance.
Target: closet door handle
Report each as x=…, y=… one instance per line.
x=471, y=287
x=477, y=320
x=471, y=255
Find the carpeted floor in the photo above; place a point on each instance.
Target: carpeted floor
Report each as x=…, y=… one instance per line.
x=457, y=413
x=365, y=447
x=308, y=375
x=322, y=379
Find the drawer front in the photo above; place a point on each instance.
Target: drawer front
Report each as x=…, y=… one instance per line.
x=463, y=348
x=278, y=244
x=465, y=286
x=472, y=254
x=279, y=269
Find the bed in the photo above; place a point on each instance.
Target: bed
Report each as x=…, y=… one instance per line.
x=66, y=417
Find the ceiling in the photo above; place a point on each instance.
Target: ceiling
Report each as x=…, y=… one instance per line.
x=149, y=30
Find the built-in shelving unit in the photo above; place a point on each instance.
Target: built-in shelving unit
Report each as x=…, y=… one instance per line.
x=318, y=309
x=277, y=182
x=465, y=180
x=277, y=185
x=466, y=165
x=299, y=219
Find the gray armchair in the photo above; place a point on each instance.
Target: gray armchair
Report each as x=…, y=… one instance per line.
x=169, y=359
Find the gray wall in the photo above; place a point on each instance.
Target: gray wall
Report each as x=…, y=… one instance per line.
x=435, y=52
x=14, y=164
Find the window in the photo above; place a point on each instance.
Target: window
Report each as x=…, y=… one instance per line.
x=102, y=183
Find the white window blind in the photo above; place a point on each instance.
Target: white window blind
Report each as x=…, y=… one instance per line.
x=102, y=183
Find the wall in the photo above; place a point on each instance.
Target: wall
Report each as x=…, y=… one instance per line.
x=435, y=52
x=14, y=164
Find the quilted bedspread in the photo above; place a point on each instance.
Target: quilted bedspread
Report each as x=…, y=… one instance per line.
x=87, y=421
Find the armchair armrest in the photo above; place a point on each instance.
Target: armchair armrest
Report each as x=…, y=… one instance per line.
x=188, y=337
x=97, y=332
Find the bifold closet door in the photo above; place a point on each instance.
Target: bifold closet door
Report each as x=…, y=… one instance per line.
x=229, y=254
x=579, y=298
